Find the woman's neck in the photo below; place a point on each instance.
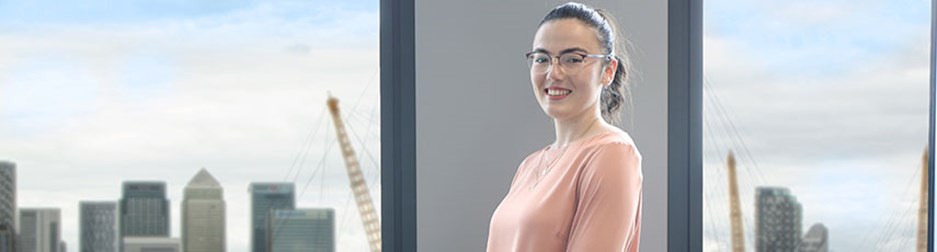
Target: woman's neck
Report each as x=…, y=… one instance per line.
x=571, y=129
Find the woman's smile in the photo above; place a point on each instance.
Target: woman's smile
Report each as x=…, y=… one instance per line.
x=556, y=93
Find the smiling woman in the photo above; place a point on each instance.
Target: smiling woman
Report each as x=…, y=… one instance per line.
x=584, y=191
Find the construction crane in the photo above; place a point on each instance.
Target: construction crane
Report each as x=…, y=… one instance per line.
x=369, y=217
x=922, y=207
x=735, y=211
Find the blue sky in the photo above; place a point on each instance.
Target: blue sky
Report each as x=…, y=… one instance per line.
x=822, y=36
x=98, y=92
x=830, y=99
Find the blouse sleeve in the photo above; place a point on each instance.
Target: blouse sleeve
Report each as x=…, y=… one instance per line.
x=608, y=208
x=517, y=173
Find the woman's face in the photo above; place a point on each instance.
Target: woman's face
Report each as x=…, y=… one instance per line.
x=562, y=92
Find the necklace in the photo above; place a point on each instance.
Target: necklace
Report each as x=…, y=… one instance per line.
x=549, y=167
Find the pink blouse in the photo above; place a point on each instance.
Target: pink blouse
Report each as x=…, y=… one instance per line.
x=589, y=201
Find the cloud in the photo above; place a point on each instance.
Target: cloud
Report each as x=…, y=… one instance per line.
x=831, y=36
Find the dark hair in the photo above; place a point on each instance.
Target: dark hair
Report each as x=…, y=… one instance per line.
x=613, y=95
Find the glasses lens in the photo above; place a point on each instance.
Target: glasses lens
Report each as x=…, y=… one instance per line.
x=538, y=62
x=572, y=62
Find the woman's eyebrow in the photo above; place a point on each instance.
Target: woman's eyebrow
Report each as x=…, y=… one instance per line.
x=573, y=49
x=567, y=50
x=541, y=50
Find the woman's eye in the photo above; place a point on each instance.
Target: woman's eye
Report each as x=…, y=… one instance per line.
x=572, y=60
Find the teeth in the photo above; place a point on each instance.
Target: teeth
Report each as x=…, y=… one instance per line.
x=557, y=92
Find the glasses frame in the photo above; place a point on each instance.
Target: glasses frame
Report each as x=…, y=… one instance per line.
x=557, y=58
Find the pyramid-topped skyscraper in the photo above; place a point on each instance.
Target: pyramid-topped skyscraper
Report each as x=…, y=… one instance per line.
x=204, y=179
x=203, y=214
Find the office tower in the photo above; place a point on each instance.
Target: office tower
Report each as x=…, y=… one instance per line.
x=777, y=220
x=816, y=239
x=7, y=196
x=264, y=197
x=151, y=244
x=302, y=230
x=203, y=214
x=40, y=230
x=99, y=228
x=144, y=209
x=7, y=237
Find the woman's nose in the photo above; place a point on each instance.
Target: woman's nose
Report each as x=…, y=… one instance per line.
x=555, y=73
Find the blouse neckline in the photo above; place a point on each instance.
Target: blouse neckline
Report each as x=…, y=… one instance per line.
x=581, y=140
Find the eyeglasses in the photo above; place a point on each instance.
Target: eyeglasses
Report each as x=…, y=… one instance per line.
x=572, y=62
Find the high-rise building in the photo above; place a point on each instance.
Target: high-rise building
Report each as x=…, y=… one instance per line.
x=302, y=230
x=99, y=226
x=151, y=244
x=203, y=214
x=7, y=238
x=265, y=197
x=777, y=220
x=7, y=203
x=40, y=230
x=816, y=239
x=144, y=209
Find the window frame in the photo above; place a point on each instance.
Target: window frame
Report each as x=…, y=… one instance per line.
x=684, y=130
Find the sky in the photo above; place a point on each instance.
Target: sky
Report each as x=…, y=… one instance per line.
x=94, y=93
x=826, y=98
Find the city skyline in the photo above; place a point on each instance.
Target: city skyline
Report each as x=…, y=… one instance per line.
x=93, y=213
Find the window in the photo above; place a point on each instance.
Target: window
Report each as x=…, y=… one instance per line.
x=824, y=107
x=94, y=94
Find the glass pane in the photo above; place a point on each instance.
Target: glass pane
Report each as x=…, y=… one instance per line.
x=815, y=124
x=191, y=122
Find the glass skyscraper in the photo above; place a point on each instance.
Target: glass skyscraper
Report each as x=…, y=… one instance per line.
x=144, y=209
x=302, y=230
x=7, y=205
x=777, y=220
x=7, y=238
x=99, y=229
x=265, y=197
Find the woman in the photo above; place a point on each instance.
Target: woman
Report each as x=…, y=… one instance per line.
x=582, y=192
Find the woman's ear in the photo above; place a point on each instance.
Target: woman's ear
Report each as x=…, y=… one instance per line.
x=609, y=74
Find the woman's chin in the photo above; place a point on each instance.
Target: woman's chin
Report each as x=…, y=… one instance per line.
x=555, y=113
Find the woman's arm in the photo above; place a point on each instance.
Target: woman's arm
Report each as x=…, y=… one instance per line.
x=608, y=210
